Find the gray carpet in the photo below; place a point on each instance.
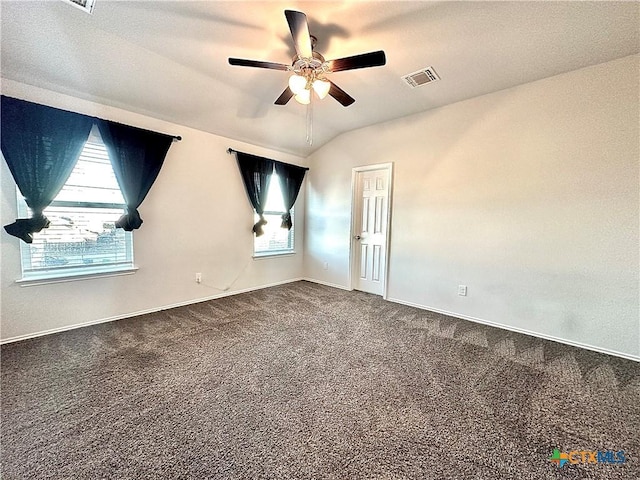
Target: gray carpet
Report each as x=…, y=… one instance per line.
x=304, y=381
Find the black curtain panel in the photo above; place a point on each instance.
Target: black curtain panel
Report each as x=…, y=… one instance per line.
x=41, y=145
x=291, y=177
x=137, y=156
x=256, y=174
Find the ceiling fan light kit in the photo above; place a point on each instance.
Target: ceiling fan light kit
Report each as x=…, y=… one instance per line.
x=302, y=85
x=309, y=74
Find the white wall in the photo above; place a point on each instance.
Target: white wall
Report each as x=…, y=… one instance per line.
x=529, y=196
x=197, y=218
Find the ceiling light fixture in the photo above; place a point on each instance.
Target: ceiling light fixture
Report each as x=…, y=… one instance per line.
x=308, y=76
x=309, y=73
x=306, y=79
x=301, y=87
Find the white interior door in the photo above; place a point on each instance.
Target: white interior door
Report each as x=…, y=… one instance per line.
x=370, y=229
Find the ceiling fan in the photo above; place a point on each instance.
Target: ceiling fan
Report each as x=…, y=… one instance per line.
x=309, y=68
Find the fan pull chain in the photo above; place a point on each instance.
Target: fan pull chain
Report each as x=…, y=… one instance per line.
x=310, y=120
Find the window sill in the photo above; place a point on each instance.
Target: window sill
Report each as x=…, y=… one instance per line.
x=59, y=277
x=260, y=256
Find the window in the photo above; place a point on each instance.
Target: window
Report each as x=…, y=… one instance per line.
x=82, y=238
x=276, y=240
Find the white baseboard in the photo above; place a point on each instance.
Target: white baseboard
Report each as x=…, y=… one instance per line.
x=142, y=312
x=342, y=287
x=519, y=330
x=334, y=285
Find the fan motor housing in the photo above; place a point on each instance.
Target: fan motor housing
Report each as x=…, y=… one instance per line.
x=300, y=63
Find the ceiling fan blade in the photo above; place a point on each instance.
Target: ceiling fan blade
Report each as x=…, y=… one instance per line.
x=340, y=95
x=300, y=32
x=241, y=62
x=364, y=60
x=285, y=97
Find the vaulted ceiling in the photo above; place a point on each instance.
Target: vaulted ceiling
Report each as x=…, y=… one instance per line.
x=169, y=59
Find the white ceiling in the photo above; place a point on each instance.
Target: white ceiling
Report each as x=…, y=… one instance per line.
x=169, y=59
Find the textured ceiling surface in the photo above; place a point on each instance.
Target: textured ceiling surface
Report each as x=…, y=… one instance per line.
x=168, y=59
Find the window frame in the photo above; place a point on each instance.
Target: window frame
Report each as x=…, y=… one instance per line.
x=277, y=214
x=291, y=240
x=54, y=274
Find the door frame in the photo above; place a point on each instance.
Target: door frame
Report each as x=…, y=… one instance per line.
x=352, y=233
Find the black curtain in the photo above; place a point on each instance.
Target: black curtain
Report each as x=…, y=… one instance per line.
x=41, y=145
x=256, y=174
x=291, y=177
x=137, y=156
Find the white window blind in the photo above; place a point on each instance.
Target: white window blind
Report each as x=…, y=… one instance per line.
x=82, y=238
x=276, y=240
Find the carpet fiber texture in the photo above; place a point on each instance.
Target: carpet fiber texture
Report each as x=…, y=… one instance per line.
x=304, y=381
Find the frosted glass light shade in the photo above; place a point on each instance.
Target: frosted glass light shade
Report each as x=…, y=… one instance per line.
x=321, y=87
x=304, y=97
x=297, y=84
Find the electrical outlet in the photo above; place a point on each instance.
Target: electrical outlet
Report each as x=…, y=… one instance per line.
x=462, y=290
x=326, y=265
x=198, y=277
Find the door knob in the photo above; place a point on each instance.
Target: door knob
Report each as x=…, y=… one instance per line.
x=357, y=237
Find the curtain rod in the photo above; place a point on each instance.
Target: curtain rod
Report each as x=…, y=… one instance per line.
x=231, y=150
x=177, y=138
